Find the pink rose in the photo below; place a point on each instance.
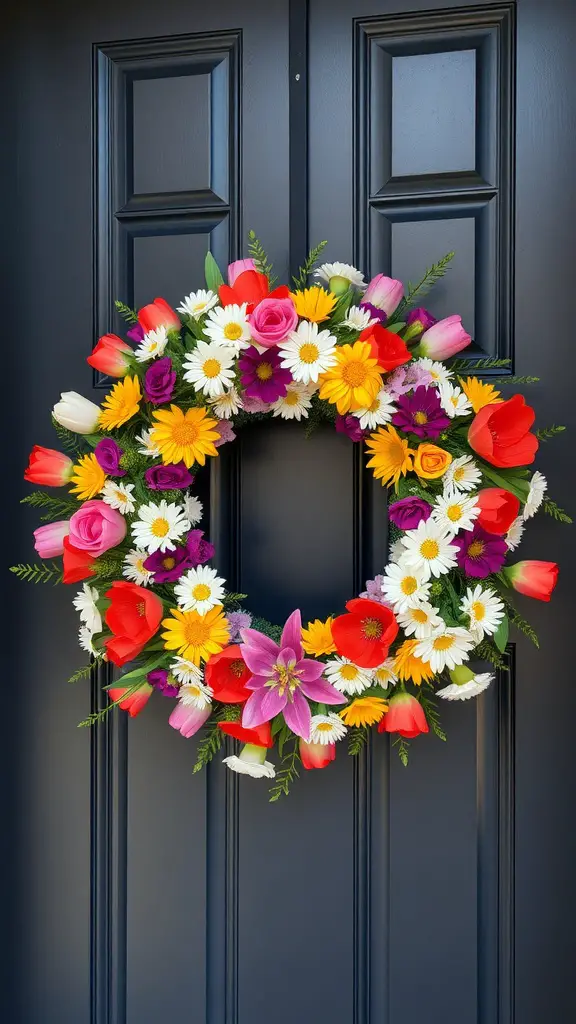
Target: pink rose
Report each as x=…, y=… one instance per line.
x=272, y=321
x=96, y=527
x=49, y=539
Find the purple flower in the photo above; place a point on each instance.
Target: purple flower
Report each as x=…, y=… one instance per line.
x=282, y=678
x=168, y=566
x=405, y=378
x=159, y=679
x=374, y=591
x=419, y=320
x=421, y=413
x=199, y=550
x=108, y=455
x=136, y=333
x=350, y=425
x=236, y=622
x=224, y=428
x=479, y=552
x=375, y=312
x=254, y=405
x=174, y=476
x=159, y=381
x=262, y=376
x=408, y=512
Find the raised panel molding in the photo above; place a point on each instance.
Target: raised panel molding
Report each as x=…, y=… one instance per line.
x=468, y=67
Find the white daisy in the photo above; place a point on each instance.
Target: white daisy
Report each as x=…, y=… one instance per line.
x=514, y=535
x=462, y=475
x=187, y=672
x=421, y=620
x=195, y=695
x=385, y=675
x=454, y=512
x=134, y=568
x=345, y=270
x=209, y=368
x=198, y=303
x=378, y=413
x=347, y=677
x=538, y=487
x=248, y=763
x=358, y=319
x=85, y=605
x=192, y=508
x=295, y=403
x=453, y=400
x=472, y=688
x=159, y=525
x=428, y=548
x=147, y=447
x=327, y=729
x=199, y=590
x=307, y=352
x=396, y=550
x=440, y=374
x=447, y=647
x=228, y=326
x=152, y=345
x=485, y=609
x=227, y=405
x=118, y=496
x=85, y=640
x=405, y=586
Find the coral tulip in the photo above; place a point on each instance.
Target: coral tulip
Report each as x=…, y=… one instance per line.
x=135, y=700
x=260, y=735
x=49, y=539
x=498, y=509
x=158, y=314
x=250, y=287
x=77, y=565
x=405, y=716
x=500, y=433
x=76, y=413
x=48, y=467
x=317, y=755
x=111, y=356
x=133, y=617
x=444, y=339
x=533, y=578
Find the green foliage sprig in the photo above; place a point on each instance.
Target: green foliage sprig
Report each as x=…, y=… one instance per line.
x=552, y=509
x=432, y=715
x=69, y=441
x=357, y=739
x=258, y=254
x=128, y=314
x=57, y=507
x=487, y=651
x=473, y=366
x=547, y=433
x=403, y=748
x=81, y=673
x=432, y=275
x=38, y=572
x=287, y=772
x=308, y=266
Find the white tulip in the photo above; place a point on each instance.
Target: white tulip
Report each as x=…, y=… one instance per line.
x=76, y=413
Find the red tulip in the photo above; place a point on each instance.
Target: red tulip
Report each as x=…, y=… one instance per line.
x=78, y=565
x=133, y=615
x=136, y=700
x=260, y=736
x=226, y=673
x=317, y=755
x=250, y=287
x=405, y=715
x=158, y=314
x=388, y=348
x=110, y=356
x=498, y=509
x=532, y=578
x=48, y=467
x=365, y=633
x=501, y=433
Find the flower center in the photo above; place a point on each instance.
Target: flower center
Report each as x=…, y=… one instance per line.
x=420, y=417
x=160, y=527
x=475, y=549
x=459, y=473
x=443, y=643
x=185, y=433
x=237, y=667
x=285, y=678
x=309, y=353
x=292, y=398
x=419, y=615
x=168, y=562
x=408, y=585
x=196, y=632
x=454, y=513
x=429, y=549
x=120, y=497
x=478, y=611
x=375, y=406
x=354, y=373
x=211, y=368
x=349, y=672
x=324, y=727
x=264, y=371
x=201, y=592
x=232, y=332
x=199, y=307
x=372, y=629
x=141, y=608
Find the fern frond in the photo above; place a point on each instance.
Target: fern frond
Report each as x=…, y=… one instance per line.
x=209, y=745
x=308, y=266
x=80, y=673
x=547, y=433
x=472, y=365
x=514, y=380
x=552, y=509
x=38, y=572
x=287, y=772
x=432, y=275
x=487, y=651
x=258, y=254
x=69, y=441
x=432, y=716
x=58, y=508
x=402, y=747
x=357, y=739
x=128, y=314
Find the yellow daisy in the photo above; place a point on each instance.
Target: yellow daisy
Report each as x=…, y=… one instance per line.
x=88, y=476
x=121, y=403
x=391, y=456
x=364, y=711
x=479, y=393
x=317, y=638
x=408, y=666
x=354, y=381
x=314, y=303
x=184, y=436
x=196, y=637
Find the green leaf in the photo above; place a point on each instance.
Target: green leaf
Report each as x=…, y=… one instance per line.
x=308, y=265
x=402, y=747
x=93, y=439
x=38, y=572
x=98, y=716
x=140, y=670
x=212, y=273
x=396, y=328
x=552, y=509
x=357, y=739
x=432, y=716
x=547, y=433
x=506, y=480
x=501, y=635
x=473, y=365
x=80, y=673
x=432, y=275
x=129, y=315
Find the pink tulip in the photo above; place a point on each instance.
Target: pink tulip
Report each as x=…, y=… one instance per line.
x=444, y=339
x=189, y=719
x=49, y=539
x=317, y=755
x=96, y=527
x=384, y=293
x=237, y=268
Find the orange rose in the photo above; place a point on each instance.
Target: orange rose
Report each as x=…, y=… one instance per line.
x=431, y=461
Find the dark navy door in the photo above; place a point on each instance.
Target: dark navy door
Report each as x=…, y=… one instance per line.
x=137, y=136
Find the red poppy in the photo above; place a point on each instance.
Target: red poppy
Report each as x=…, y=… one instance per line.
x=158, y=314
x=135, y=702
x=261, y=736
x=364, y=634
x=317, y=755
x=500, y=433
x=227, y=673
x=387, y=347
x=133, y=616
x=250, y=287
x=77, y=565
x=498, y=509
x=405, y=715
x=533, y=578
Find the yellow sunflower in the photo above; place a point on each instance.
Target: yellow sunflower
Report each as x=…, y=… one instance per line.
x=408, y=666
x=196, y=637
x=364, y=711
x=184, y=436
x=391, y=456
x=354, y=381
x=317, y=638
x=479, y=393
x=314, y=303
x=121, y=403
x=88, y=476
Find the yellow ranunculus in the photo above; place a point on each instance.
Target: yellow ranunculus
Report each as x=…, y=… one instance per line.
x=317, y=638
x=430, y=461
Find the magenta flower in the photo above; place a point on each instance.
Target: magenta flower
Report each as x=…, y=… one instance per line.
x=262, y=376
x=108, y=455
x=407, y=513
x=421, y=413
x=136, y=333
x=283, y=678
x=375, y=312
x=418, y=321
x=159, y=381
x=160, y=680
x=199, y=550
x=479, y=552
x=168, y=566
x=350, y=425
x=172, y=476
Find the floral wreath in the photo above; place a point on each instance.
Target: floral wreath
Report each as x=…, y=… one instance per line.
x=451, y=450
